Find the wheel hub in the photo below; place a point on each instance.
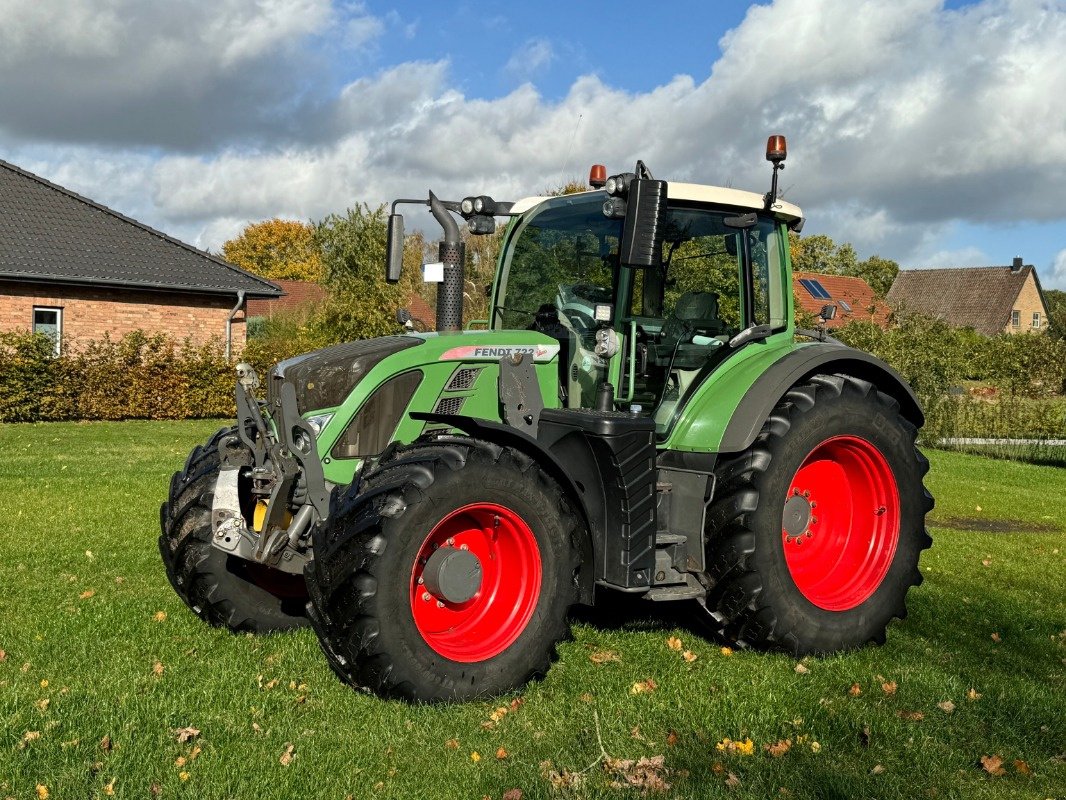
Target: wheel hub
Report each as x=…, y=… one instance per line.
x=797, y=517
x=452, y=574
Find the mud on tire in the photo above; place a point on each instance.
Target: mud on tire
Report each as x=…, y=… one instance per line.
x=822, y=474
x=221, y=589
x=379, y=627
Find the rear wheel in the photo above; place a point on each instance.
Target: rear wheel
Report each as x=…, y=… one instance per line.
x=818, y=527
x=445, y=574
x=221, y=589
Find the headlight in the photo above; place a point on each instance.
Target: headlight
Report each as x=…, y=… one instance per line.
x=318, y=422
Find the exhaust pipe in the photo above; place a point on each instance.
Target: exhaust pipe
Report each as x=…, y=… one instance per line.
x=452, y=251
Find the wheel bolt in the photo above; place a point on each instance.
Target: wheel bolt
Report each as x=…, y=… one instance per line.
x=421, y=581
x=464, y=547
x=440, y=604
x=451, y=542
x=806, y=493
x=425, y=596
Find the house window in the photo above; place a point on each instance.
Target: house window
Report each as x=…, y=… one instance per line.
x=49, y=321
x=1016, y=318
x=1036, y=319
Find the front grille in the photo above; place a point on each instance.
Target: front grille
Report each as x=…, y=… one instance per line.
x=463, y=379
x=449, y=405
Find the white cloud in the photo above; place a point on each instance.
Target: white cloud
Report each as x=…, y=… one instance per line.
x=963, y=257
x=529, y=59
x=1057, y=279
x=901, y=117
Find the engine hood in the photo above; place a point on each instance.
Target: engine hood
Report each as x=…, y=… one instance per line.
x=323, y=378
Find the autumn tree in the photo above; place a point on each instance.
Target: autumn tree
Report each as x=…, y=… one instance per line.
x=278, y=249
x=820, y=253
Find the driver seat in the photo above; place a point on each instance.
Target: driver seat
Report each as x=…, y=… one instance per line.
x=695, y=312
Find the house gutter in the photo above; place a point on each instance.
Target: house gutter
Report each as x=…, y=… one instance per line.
x=229, y=322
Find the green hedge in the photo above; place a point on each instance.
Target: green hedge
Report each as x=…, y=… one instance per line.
x=137, y=377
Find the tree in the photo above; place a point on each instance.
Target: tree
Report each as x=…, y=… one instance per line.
x=1055, y=300
x=279, y=249
x=820, y=253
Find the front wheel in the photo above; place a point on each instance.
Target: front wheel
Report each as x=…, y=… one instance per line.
x=445, y=574
x=815, y=538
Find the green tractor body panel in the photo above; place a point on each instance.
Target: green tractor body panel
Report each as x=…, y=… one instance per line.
x=438, y=359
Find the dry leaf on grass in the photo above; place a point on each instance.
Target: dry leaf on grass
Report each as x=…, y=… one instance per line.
x=671, y=738
x=452, y=744
x=475, y=756
x=560, y=780
x=946, y=706
x=106, y=744
x=42, y=704
x=778, y=748
x=42, y=792
x=674, y=644
x=3, y=655
x=732, y=781
x=179, y=762
x=911, y=716
x=643, y=687
x=855, y=690
x=877, y=769
x=499, y=714
x=604, y=656
x=27, y=738
x=287, y=756
x=157, y=668
x=726, y=651
x=744, y=748
x=1021, y=767
x=973, y=695
x=512, y=794
x=997, y=638
x=184, y=776
x=86, y=594
x=159, y=616
x=501, y=753
x=689, y=656
x=109, y=788
x=186, y=734
x=889, y=687
x=993, y=765
x=801, y=670
x=647, y=774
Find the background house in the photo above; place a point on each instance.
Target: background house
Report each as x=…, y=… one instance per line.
x=990, y=300
x=853, y=297
x=73, y=268
x=304, y=295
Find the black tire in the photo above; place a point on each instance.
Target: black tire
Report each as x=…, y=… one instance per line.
x=361, y=579
x=221, y=589
x=756, y=598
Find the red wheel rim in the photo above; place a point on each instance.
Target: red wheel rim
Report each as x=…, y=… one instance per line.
x=840, y=527
x=490, y=621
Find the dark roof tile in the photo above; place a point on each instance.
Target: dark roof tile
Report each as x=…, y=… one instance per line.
x=49, y=234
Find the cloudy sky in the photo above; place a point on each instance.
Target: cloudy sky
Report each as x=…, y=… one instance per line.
x=932, y=132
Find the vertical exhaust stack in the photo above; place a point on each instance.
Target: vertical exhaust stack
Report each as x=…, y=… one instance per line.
x=452, y=251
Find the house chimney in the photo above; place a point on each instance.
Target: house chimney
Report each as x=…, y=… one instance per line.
x=1017, y=265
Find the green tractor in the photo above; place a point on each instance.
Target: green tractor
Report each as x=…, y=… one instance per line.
x=636, y=416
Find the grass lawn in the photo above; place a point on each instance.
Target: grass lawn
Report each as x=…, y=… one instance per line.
x=101, y=666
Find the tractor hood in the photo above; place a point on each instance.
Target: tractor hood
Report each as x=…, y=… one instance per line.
x=324, y=378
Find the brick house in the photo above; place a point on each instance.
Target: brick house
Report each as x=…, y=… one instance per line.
x=853, y=298
x=76, y=270
x=305, y=294
x=990, y=300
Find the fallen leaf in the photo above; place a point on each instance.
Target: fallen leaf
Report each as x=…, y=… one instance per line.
x=86, y=594
x=671, y=738
x=452, y=744
x=855, y=690
x=586, y=697
x=186, y=734
x=27, y=737
x=996, y=637
x=89, y=555
x=256, y=727
x=947, y=706
x=560, y=780
x=155, y=790
x=119, y=580
x=732, y=781
x=648, y=774
x=516, y=703
x=183, y=776
x=1021, y=767
x=877, y=769
x=986, y=562
x=801, y=670
x=109, y=789
x=499, y=714
x=973, y=695
x=157, y=668
x=106, y=744
x=179, y=762
x=501, y=754
x=977, y=508
x=42, y=704
x=674, y=643
x=726, y=651
x=993, y=765
x=744, y=748
x=44, y=683
x=3, y=656
x=643, y=687
x=816, y=747
x=42, y=792
x=689, y=656
x=475, y=756
x=778, y=748
x=889, y=687
x=159, y=616
x=287, y=756
x=512, y=794
x=912, y=716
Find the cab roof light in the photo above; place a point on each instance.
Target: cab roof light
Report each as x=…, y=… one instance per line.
x=597, y=176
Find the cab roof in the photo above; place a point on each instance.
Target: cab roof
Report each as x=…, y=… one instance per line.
x=699, y=193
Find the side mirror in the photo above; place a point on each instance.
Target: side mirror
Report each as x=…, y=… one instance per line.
x=645, y=225
x=828, y=312
x=394, y=248
x=403, y=316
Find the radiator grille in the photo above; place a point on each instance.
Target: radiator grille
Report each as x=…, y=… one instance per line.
x=463, y=379
x=449, y=405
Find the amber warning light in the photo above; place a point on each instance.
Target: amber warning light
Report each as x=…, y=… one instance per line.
x=597, y=176
x=776, y=149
